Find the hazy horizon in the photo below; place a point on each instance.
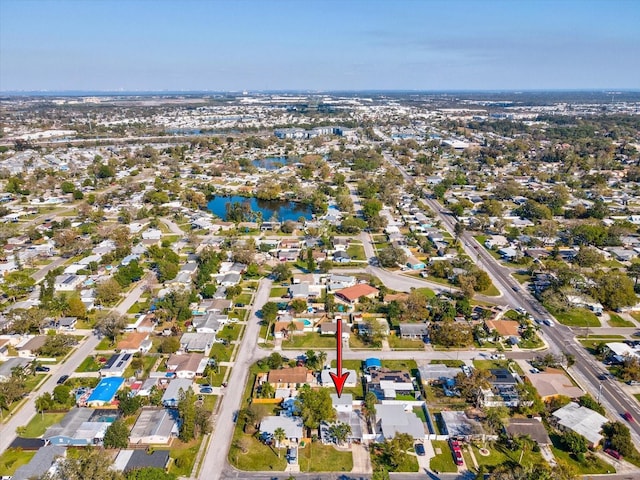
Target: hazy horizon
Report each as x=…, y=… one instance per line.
x=318, y=45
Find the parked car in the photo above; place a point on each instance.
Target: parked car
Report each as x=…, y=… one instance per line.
x=627, y=416
x=207, y=390
x=548, y=322
x=457, y=452
x=419, y=448
x=42, y=368
x=613, y=453
x=63, y=379
x=534, y=370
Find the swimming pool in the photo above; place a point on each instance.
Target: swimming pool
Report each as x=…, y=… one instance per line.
x=306, y=322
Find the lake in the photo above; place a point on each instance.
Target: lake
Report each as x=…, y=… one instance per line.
x=284, y=210
x=271, y=163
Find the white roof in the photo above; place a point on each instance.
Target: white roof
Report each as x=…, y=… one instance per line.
x=292, y=426
x=581, y=420
x=394, y=419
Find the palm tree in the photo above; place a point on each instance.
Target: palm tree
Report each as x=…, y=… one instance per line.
x=279, y=435
x=322, y=358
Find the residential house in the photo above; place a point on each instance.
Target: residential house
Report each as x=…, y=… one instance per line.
x=128, y=460
x=394, y=419
x=43, y=462
x=531, y=427
x=341, y=257
x=290, y=378
x=104, y=393
x=388, y=384
x=284, y=328
x=67, y=324
x=4, y=348
x=337, y=282
x=414, y=264
x=6, y=369
x=503, y=391
x=372, y=365
x=326, y=381
x=116, y=365
x=581, y=420
x=554, y=383
x=29, y=348
x=413, y=331
x=68, y=283
x=437, y=373
x=458, y=425
x=211, y=323
x=189, y=365
x=154, y=426
x=352, y=294
x=197, y=342
x=134, y=342
x=292, y=427
x=171, y=395
x=79, y=428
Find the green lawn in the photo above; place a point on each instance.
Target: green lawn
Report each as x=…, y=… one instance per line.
x=576, y=317
x=534, y=342
x=409, y=365
x=258, y=456
x=105, y=344
x=591, y=464
x=442, y=462
x=490, y=364
x=89, y=364
x=39, y=424
x=427, y=292
x=183, y=455
x=316, y=457
x=309, y=340
x=12, y=459
x=244, y=298
x=356, y=342
x=142, y=305
x=221, y=352
x=492, y=291
x=356, y=252
x=618, y=321
x=147, y=363
x=405, y=344
x=521, y=277
x=635, y=315
x=419, y=411
x=213, y=378
x=278, y=292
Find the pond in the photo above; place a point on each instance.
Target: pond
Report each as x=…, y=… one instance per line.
x=271, y=163
x=284, y=210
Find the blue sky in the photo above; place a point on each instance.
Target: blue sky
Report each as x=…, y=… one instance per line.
x=318, y=45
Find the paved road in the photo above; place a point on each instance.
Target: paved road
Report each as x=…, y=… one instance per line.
x=559, y=338
x=232, y=474
x=40, y=274
x=133, y=296
x=175, y=229
x=220, y=441
x=28, y=410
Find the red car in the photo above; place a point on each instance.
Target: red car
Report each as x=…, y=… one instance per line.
x=613, y=453
x=627, y=416
x=457, y=452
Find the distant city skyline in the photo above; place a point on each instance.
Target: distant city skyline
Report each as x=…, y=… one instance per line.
x=307, y=45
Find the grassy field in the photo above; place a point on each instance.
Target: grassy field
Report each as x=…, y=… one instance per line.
x=400, y=364
x=356, y=342
x=257, y=456
x=90, y=364
x=500, y=455
x=398, y=343
x=492, y=291
x=278, y=292
x=316, y=457
x=184, y=455
x=39, y=424
x=221, y=352
x=309, y=340
x=521, y=277
x=635, y=315
x=244, y=298
x=147, y=363
x=356, y=252
x=442, y=462
x=576, y=317
x=618, y=321
x=12, y=459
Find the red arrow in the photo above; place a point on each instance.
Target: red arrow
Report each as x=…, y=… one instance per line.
x=339, y=378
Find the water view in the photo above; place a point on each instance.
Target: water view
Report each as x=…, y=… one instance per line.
x=271, y=163
x=284, y=210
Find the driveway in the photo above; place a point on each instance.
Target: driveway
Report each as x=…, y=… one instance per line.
x=361, y=458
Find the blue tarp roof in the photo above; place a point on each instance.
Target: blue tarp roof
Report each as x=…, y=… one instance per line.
x=106, y=389
x=372, y=362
